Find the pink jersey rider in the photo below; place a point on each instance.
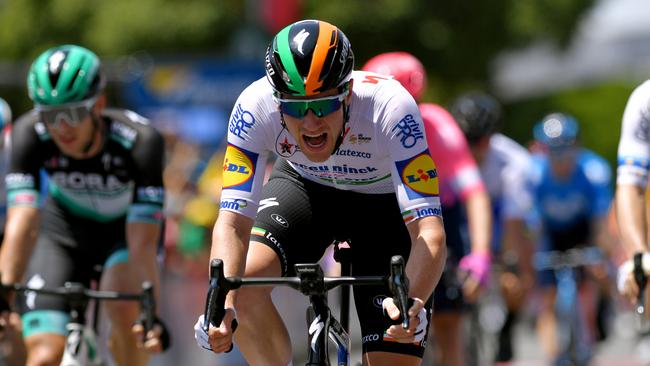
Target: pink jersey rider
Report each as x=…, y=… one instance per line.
x=458, y=177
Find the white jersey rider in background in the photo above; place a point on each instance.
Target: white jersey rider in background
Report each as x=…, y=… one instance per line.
x=5, y=128
x=631, y=186
x=504, y=165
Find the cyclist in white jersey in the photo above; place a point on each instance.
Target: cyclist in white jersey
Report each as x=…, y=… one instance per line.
x=354, y=165
x=631, y=186
x=504, y=167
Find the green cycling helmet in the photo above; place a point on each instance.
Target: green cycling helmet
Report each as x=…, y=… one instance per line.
x=64, y=74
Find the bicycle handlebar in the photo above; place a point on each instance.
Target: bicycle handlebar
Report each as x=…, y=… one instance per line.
x=310, y=281
x=575, y=257
x=76, y=293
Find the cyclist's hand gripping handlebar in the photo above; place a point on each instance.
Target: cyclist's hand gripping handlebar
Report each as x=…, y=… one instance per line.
x=399, y=287
x=216, y=298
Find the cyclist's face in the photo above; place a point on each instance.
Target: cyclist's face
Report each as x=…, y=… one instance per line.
x=316, y=135
x=563, y=161
x=73, y=135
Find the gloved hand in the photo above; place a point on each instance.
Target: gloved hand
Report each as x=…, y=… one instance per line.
x=223, y=339
x=625, y=282
x=201, y=335
x=477, y=265
x=157, y=339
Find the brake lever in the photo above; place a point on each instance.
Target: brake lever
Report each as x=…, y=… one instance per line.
x=399, y=287
x=641, y=280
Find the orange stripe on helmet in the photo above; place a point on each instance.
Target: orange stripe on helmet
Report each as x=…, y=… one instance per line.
x=324, y=43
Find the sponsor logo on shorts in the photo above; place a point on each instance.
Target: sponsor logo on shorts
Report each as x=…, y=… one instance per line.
x=280, y=220
x=378, y=301
x=239, y=168
x=409, y=131
x=370, y=338
x=419, y=176
x=262, y=233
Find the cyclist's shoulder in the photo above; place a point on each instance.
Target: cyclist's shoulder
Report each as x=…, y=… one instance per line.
x=509, y=152
x=594, y=167
x=130, y=128
x=378, y=90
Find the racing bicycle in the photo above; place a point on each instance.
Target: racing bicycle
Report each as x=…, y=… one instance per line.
x=81, y=347
x=574, y=346
x=311, y=282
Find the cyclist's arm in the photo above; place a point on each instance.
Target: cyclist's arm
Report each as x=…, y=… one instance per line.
x=230, y=240
x=144, y=216
x=22, y=182
x=21, y=231
x=631, y=216
x=479, y=216
x=427, y=256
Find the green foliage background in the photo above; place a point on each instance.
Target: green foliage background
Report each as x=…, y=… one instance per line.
x=456, y=40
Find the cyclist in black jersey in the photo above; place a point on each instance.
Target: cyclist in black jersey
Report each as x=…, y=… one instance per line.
x=104, y=207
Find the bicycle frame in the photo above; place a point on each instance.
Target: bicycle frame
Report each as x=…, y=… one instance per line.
x=312, y=283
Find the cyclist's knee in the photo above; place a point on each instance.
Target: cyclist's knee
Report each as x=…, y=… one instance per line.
x=122, y=313
x=45, y=349
x=251, y=300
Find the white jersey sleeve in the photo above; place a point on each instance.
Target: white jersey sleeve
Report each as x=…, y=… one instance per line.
x=247, y=153
x=413, y=171
x=634, y=145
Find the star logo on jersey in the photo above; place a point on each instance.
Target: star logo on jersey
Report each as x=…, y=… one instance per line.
x=283, y=147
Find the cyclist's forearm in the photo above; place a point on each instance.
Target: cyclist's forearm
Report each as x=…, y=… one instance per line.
x=479, y=215
x=631, y=218
x=230, y=240
x=20, y=237
x=427, y=256
x=143, y=239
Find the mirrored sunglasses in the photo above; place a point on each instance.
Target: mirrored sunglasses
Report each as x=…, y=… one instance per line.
x=321, y=107
x=72, y=114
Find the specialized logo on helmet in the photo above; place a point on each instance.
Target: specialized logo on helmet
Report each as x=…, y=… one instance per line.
x=300, y=39
x=419, y=176
x=239, y=168
x=55, y=62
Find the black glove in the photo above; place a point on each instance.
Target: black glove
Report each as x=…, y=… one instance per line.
x=165, y=337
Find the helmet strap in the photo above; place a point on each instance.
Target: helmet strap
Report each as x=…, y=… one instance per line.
x=346, y=118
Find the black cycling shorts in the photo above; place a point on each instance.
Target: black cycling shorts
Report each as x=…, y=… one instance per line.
x=299, y=219
x=448, y=295
x=68, y=249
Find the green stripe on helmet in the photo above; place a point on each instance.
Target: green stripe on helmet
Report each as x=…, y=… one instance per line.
x=296, y=82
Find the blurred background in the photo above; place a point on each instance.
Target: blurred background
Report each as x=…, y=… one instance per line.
x=183, y=63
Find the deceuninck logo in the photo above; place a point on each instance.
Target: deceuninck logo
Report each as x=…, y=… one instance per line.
x=419, y=175
x=239, y=168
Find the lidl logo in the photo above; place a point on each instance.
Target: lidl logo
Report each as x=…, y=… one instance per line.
x=239, y=168
x=419, y=176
